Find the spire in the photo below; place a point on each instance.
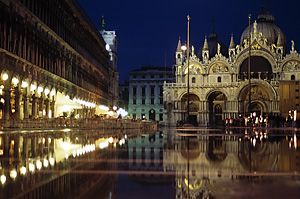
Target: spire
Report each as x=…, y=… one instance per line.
x=205, y=46
x=179, y=46
x=213, y=26
x=267, y=6
x=279, y=41
x=262, y=7
x=231, y=45
x=102, y=23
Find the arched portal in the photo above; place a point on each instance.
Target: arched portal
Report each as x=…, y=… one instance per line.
x=216, y=101
x=152, y=114
x=259, y=100
x=194, y=103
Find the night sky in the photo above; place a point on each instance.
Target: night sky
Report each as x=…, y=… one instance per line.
x=148, y=31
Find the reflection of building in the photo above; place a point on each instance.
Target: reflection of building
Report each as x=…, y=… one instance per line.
x=52, y=60
x=27, y=162
x=204, y=165
x=146, y=92
x=145, y=153
x=219, y=86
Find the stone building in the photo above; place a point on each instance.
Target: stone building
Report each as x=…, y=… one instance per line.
x=52, y=61
x=146, y=92
x=218, y=77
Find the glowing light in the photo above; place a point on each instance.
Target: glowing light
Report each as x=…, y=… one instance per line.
x=107, y=47
x=110, y=140
x=67, y=156
x=32, y=87
x=103, y=145
x=254, y=142
x=38, y=164
x=114, y=108
x=67, y=97
x=47, y=91
x=184, y=48
x=23, y=170
x=3, y=179
x=13, y=174
x=31, y=167
x=102, y=107
x=40, y=89
x=15, y=81
x=24, y=84
x=4, y=76
x=51, y=160
x=46, y=163
x=52, y=93
x=110, y=113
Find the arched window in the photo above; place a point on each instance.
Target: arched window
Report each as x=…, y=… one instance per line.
x=293, y=77
x=219, y=79
x=193, y=80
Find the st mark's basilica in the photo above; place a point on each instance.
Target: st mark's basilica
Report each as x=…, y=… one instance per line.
x=218, y=77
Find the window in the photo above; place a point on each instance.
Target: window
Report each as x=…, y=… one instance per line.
x=152, y=90
x=143, y=91
x=193, y=80
x=293, y=77
x=152, y=76
x=134, y=101
x=134, y=90
x=143, y=101
x=161, y=90
x=152, y=100
x=134, y=116
x=161, y=100
x=161, y=118
x=219, y=79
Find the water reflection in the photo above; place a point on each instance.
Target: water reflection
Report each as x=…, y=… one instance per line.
x=235, y=163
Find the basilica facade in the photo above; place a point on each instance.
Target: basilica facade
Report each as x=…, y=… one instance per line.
x=219, y=80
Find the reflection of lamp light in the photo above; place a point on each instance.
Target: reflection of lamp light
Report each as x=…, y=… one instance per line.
x=13, y=174
x=3, y=179
x=46, y=163
x=38, y=164
x=4, y=76
x=23, y=170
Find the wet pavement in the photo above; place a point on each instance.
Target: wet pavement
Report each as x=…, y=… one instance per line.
x=170, y=163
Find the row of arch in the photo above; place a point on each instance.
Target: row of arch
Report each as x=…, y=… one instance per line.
x=23, y=98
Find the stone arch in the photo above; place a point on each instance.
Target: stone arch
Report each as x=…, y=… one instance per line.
x=216, y=106
x=194, y=68
x=219, y=67
x=261, y=96
x=255, y=53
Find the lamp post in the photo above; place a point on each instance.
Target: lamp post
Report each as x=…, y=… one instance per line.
x=249, y=69
x=188, y=69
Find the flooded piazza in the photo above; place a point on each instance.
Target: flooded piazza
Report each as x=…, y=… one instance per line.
x=170, y=163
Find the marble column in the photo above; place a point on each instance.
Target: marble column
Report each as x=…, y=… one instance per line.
x=17, y=104
x=26, y=106
x=7, y=104
x=34, y=107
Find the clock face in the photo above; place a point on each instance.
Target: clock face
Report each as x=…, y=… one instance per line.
x=107, y=47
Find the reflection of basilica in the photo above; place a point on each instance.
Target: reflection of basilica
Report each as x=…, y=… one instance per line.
x=204, y=164
x=218, y=79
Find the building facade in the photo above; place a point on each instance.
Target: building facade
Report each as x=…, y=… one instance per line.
x=52, y=61
x=218, y=77
x=146, y=92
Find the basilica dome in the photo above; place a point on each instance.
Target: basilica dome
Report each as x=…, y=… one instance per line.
x=268, y=30
x=213, y=46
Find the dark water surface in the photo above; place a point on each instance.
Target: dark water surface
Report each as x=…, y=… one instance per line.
x=169, y=164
